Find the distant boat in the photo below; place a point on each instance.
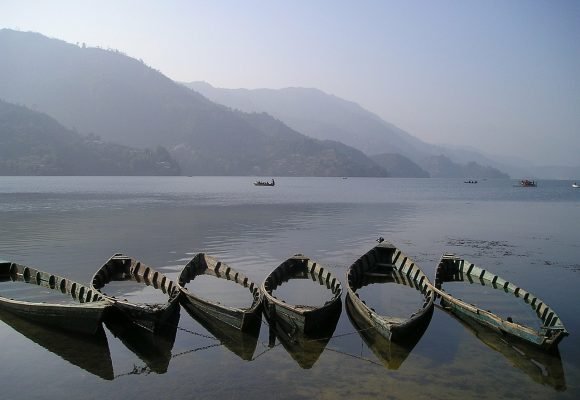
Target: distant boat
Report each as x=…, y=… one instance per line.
x=575, y=185
x=528, y=183
x=264, y=183
x=470, y=182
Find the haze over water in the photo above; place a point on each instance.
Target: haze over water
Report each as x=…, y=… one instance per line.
x=70, y=226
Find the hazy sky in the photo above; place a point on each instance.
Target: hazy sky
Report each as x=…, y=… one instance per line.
x=500, y=76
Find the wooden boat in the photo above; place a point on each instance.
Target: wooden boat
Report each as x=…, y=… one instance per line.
x=391, y=353
x=302, y=318
x=387, y=262
x=453, y=268
x=88, y=352
x=150, y=316
x=242, y=318
x=83, y=314
x=541, y=366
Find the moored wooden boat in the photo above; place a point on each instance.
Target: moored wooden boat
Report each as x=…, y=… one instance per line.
x=391, y=353
x=385, y=261
x=242, y=318
x=453, y=268
x=302, y=318
x=83, y=314
x=150, y=316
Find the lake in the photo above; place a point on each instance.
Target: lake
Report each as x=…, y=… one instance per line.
x=70, y=226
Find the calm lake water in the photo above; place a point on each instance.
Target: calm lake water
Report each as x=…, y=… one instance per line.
x=70, y=226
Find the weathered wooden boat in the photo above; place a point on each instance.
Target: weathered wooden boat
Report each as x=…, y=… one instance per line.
x=541, y=366
x=88, y=352
x=152, y=348
x=150, y=316
x=242, y=318
x=302, y=318
x=384, y=263
x=83, y=314
x=453, y=268
x=391, y=353
x=305, y=349
x=240, y=342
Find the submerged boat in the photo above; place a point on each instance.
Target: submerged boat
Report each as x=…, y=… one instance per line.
x=391, y=353
x=242, y=318
x=301, y=318
x=452, y=268
x=83, y=313
x=148, y=315
x=388, y=263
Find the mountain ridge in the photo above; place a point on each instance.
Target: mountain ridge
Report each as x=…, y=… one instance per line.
x=119, y=98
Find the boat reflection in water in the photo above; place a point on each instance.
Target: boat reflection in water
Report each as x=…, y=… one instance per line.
x=89, y=352
x=544, y=367
x=391, y=353
x=305, y=349
x=241, y=343
x=303, y=329
x=154, y=349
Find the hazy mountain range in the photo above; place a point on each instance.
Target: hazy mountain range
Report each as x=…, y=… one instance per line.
x=325, y=116
x=32, y=143
x=109, y=98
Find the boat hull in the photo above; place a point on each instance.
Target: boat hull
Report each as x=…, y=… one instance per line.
x=84, y=316
x=238, y=317
x=302, y=318
x=391, y=353
x=149, y=316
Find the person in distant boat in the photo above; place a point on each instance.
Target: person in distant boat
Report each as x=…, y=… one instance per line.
x=273, y=183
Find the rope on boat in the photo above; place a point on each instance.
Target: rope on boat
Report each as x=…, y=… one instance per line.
x=147, y=370
x=196, y=349
x=355, y=356
x=197, y=333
